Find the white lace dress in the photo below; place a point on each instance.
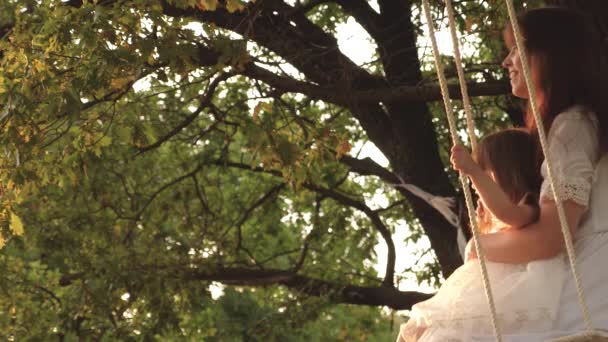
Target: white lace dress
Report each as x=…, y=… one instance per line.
x=526, y=298
x=534, y=301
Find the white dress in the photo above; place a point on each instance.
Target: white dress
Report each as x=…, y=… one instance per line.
x=538, y=300
x=526, y=297
x=584, y=179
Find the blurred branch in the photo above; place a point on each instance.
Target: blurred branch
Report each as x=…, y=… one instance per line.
x=343, y=199
x=400, y=94
x=204, y=102
x=339, y=293
x=374, y=218
x=304, y=7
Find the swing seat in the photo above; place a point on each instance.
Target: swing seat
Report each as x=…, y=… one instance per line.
x=586, y=336
x=561, y=336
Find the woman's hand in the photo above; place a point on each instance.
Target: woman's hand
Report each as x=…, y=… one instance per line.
x=462, y=161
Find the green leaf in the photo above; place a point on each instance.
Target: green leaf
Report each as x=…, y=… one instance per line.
x=105, y=141
x=16, y=224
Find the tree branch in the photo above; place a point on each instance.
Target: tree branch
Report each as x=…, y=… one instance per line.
x=300, y=42
x=364, y=14
x=338, y=293
x=361, y=206
x=309, y=236
x=374, y=218
x=204, y=102
x=258, y=203
x=346, y=97
x=368, y=167
x=151, y=198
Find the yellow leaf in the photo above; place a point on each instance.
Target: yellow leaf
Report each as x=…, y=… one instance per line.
x=207, y=5
x=234, y=6
x=469, y=24
x=343, y=148
x=119, y=83
x=39, y=65
x=256, y=112
x=262, y=106
x=16, y=224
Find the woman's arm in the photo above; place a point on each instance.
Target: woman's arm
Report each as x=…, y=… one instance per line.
x=492, y=196
x=540, y=240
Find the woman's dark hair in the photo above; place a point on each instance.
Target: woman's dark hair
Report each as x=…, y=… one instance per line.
x=571, y=62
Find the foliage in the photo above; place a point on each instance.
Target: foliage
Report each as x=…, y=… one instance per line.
x=142, y=160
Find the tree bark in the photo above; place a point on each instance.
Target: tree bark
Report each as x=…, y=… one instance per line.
x=348, y=294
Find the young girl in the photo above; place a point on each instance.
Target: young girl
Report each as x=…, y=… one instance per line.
x=505, y=175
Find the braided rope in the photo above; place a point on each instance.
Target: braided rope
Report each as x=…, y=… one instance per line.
x=463, y=179
x=466, y=101
x=543, y=142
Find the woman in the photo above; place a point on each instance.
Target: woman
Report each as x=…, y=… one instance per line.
x=568, y=73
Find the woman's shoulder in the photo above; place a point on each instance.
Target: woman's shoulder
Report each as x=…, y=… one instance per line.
x=576, y=113
x=575, y=120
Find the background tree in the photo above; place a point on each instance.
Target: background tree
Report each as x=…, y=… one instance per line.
x=154, y=147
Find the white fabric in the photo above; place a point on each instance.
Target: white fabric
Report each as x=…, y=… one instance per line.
x=443, y=205
x=592, y=256
x=526, y=298
x=573, y=151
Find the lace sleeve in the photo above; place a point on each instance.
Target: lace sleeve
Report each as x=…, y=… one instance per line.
x=573, y=152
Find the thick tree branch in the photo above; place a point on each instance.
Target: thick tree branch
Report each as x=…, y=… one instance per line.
x=393, y=7
x=364, y=14
x=350, y=97
x=368, y=167
x=399, y=94
x=304, y=45
x=339, y=293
